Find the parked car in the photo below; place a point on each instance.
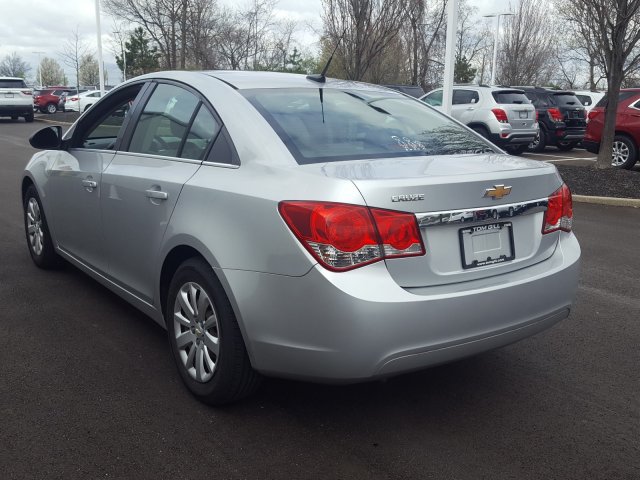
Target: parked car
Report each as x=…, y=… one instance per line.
x=627, y=137
x=588, y=99
x=411, y=90
x=15, y=99
x=561, y=116
x=82, y=101
x=502, y=115
x=301, y=227
x=47, y=100
x=63, y=98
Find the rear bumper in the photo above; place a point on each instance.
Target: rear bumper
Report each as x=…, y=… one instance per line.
x=359, y=325
x=514, y=137
x=26, y=109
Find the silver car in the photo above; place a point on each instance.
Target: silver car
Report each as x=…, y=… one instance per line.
x=299, y=227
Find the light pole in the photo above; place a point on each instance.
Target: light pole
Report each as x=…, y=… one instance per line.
x=449, y=55
x=99, y=33
x=495, y=42
x=40, y=66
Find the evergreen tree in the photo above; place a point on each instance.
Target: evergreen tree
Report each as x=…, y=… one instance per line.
x=463, y=72
x=140, y=57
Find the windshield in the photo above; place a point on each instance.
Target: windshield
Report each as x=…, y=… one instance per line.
x=12, y=84
x=324, y=125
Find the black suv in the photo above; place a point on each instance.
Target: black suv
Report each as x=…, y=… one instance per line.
x=561, y=116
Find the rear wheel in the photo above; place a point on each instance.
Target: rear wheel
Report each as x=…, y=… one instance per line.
x=481, y=131
x=516, y=149
x=205, y=338
x=624, y=154
x=28, y=117
x=539, y=143
x=37, y=232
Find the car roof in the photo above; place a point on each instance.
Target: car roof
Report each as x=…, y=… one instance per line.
x=12, y=78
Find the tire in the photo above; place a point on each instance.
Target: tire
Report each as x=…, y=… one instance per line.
x=483, y=132
x=201, y=325
x=625, y=153
x=516, y=150
x=37, y=232
x=566, y=146
x=28, y=117
x=539, y=144
x=14, y=117
x=51, y=108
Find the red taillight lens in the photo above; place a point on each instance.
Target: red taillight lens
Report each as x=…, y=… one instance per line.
x=555, y=114
x=500, y=114
x=559, y=214
x=342, y=236
x=26, y=92
x=537, y=115
x=592, y=114
x=72, y=99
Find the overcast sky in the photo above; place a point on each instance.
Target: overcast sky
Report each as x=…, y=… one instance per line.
x=28, y=26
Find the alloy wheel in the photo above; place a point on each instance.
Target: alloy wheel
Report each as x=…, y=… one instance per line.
x=34, y=227
x=195, y=326
x=620, y=153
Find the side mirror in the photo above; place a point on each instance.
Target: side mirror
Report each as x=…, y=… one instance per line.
x=49, y=138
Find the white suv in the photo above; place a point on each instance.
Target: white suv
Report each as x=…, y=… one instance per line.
x=16, y=99
x=503, y=115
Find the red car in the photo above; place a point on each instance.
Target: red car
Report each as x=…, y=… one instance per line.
x=626, y=143
x=47, y=100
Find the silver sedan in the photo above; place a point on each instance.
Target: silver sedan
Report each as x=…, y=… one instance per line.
x=301, y=227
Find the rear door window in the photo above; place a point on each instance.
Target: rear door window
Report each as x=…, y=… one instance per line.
x=164, y=122
x=465, y=97
x=510, y=97
x=585, y=100
x=434, y=99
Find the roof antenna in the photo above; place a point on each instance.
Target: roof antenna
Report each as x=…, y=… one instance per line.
x=320, y=78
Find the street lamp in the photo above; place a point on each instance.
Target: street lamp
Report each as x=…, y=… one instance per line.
x=449, y=55
x=99, y=35
x=39, y=66
x=495, y=42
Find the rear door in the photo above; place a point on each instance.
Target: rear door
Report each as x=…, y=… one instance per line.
x=464, y=105
x=142, y=184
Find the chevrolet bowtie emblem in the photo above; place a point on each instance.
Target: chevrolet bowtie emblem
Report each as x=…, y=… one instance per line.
x=497, y=192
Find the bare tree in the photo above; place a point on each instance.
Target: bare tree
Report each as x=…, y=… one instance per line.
x=527, y=46
x=73, y=49
x=52, y=73
x=615, y=33
x=369, y=26
x=13, y=66
x=89, y=72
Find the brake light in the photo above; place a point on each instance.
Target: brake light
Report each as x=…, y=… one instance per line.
x=72, y=99
x=343, y=237
x=26, y=92
x=537, y=115
x=555, y=114
x=500, y=114
x=559, y=214
x=593, y=114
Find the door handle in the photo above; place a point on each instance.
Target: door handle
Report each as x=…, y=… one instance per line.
x=157, y=194
x=471, y=108
x=89, y=183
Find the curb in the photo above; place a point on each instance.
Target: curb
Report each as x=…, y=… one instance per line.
x=611, y=201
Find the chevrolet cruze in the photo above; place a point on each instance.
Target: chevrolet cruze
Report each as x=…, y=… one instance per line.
x=301, y=227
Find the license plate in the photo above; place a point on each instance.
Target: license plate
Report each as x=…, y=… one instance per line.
x=484, y=245
x=8, y=95
x=524, y=114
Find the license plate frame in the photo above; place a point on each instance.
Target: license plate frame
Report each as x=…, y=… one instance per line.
x=500, y=233
x=8, y=95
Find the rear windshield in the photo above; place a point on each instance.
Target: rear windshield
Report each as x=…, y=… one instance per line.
x=12, y=84
x=622, y=96
x=328, y=125
x=510, y=97
x=565, y=99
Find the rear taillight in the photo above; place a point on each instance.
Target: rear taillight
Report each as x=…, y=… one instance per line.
x=559, y=214
x=342, y=236
x=537, y=115
x=72, y=99
x=593, y=114
x=555, y=114
x=26, y=92
x=500, y=114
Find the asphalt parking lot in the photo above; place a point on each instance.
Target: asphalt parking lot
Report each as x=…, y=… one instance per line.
x=88, y=388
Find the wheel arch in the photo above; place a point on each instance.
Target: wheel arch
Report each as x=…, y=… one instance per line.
x=175, y=256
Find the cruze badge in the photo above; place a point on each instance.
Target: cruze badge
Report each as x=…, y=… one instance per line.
x=497, y=192
x=411, y=197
